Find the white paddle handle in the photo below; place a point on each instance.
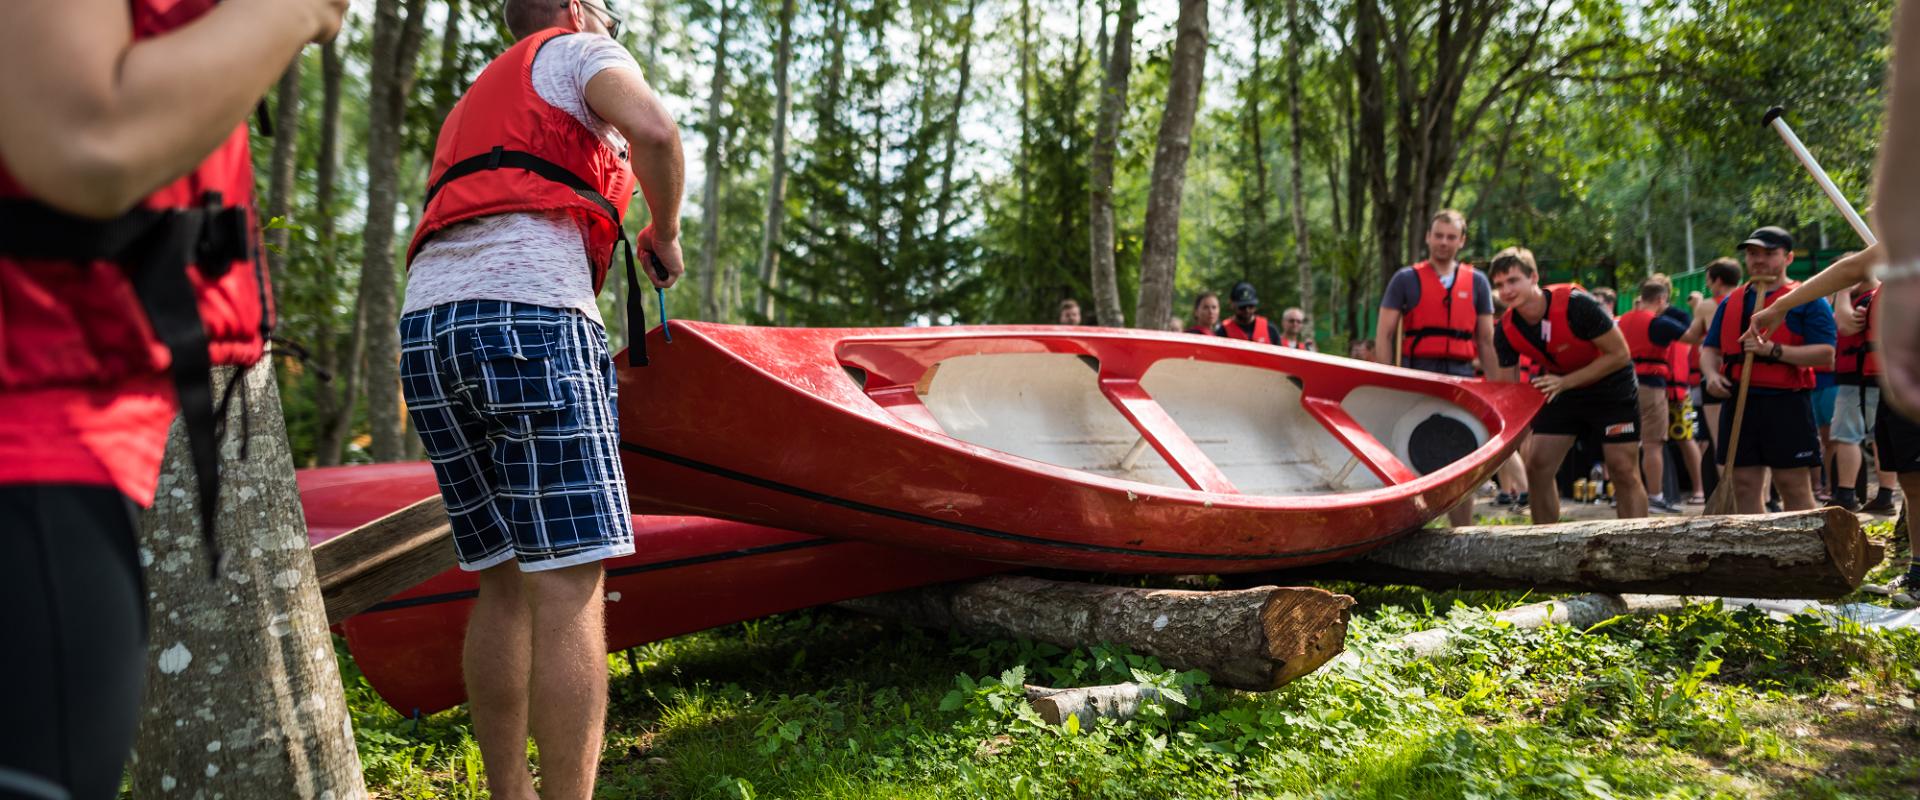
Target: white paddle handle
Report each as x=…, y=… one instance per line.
x=1776, y=118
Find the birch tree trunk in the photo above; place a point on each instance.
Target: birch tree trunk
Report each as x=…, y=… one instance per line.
x=395, y=44
x=777, y=183
x=1160, y=256
x=1302, y=250
x=1113, y=104
x=243, y=695
x=943, y=210
x=710, y=284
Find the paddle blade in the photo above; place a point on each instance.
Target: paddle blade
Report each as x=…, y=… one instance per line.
x=1722, y=502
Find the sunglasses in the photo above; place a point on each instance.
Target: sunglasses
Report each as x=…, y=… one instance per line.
x=612, y=20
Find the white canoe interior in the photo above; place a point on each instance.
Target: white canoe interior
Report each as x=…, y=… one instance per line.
x=1249, y=421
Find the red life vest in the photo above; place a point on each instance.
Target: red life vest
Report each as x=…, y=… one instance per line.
x=1527, y=370
x=1854, y=354
x=1441, y=325
x=1767, y=372
x=504, y=150
x=1649, y=359
x=101, y=311
x=1680, y=357
x=1262, y=331
x=1292, y=343
x=1199, y=330
x=1559, y=352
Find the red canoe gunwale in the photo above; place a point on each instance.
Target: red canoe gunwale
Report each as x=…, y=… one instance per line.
x=849, y=400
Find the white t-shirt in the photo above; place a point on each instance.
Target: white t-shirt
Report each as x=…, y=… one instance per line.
x=534, y=258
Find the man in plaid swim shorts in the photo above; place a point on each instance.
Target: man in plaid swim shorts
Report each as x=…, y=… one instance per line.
x=505, y=367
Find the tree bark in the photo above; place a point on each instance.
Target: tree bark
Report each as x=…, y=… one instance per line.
x=710, y=284
x=942, y=214
x=1160, y=255
x=396, y=42
x=1092, y=703
x=243, y=695
x=1302, y=249
x=336, y=400
x=1255, y=639
x=286, y=140
x=1254, y=215
x=1100, y=222
x=777, y=184
x=1803, y=554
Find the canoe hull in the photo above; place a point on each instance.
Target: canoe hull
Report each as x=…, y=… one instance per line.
x=687, y=574
x=828, y=432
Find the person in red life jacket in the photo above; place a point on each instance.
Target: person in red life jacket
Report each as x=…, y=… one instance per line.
x=1206, y=314
x=1680, y=389
x=129, y=268
x=1445, y=308
x=1651, y=329
x=1069, y=312
x=1293, y=330
x=1778, y=432
x=1246, y=323
x=506, y=371
x=1723, y=276
x=1608, y=299
x=1857, y=362
x=1587, y=376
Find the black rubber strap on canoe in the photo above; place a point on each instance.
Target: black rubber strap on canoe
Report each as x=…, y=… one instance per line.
x=1445, y=333
x=502, y=158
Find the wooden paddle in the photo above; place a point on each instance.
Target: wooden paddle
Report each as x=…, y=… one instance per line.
x=1724, y=500
x=381, y=558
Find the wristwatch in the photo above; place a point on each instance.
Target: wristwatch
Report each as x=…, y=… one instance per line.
x=1775, y=355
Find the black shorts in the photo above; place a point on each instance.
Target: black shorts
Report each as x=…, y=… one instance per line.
x=1610, y=415
x=73, y=609
x=1896, y=439
x=1778, y=431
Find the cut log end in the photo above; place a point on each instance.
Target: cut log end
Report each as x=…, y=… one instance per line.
x=1305, y=627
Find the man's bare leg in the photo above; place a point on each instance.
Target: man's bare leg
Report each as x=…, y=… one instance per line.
x=1796, y=488
x=496, y=661
x=1629, y=494
x=1690, y=454
x=1750, y=490
x=1543, y=460
x=569, y=695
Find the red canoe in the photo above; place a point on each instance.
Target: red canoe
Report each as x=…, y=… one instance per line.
x=687, y=574
x=1075, y=448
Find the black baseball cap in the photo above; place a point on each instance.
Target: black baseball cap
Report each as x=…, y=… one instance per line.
x=1242, y=295
x=1770, y=237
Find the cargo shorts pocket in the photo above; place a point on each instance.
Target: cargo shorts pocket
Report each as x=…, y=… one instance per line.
x=518, y=364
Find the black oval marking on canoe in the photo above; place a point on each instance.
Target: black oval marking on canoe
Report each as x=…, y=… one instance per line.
x=632, y=569
x=1438, y=441
x=959, y=527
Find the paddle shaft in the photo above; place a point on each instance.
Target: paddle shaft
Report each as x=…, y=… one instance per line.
x=1776, y=118
x=1716, y=505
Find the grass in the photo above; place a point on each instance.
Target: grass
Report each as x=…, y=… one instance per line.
x=1708, y=702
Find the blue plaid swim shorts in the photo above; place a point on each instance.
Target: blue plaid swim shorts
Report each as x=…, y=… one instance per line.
x=516, y=406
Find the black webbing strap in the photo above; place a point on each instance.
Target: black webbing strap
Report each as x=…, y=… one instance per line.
x=636, y=308
x=1448, y=333
x=155, y=248
x=502, y=158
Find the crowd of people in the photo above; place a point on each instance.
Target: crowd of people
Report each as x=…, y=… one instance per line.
x=1621, y=387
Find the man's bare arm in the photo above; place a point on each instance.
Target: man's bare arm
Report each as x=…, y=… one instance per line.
x=622, y=97
x=94, y=120
x=1383, y=336
x=1483, y=339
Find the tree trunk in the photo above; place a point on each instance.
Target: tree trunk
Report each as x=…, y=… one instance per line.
x=1025, y=168
x=1089, y=704
x=243, y=695
x=1160, y=255
x=446, y=89
x=286, y=140
x=777, y=184
x=711, y=286
x=1255, y=639
x=395, y=44
x=1302, y=250
x=1584, y=611
x=942, y=214
x=336, y=401
x=1113, y=104
x=1800, y=554
x=1255, y=214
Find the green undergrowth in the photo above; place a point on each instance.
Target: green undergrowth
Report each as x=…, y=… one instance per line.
x=1708, y=702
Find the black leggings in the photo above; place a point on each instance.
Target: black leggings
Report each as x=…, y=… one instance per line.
x=73, y=614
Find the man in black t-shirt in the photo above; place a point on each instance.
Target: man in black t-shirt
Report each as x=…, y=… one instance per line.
x=1586, y=373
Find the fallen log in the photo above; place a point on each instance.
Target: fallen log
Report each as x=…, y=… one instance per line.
x=1818, y=554
x=1121, y=701
x=1256, y=639
x=1583, y=611
x=384, y=557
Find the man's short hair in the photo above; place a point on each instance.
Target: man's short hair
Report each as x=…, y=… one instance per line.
x=1458, y=219
x=1519, y=258
x=1656, y=288
x=1726, y=271
x=1068, y=303
x=526, y=17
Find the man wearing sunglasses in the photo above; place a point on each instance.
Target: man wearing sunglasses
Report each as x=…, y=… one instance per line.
x=506, y=371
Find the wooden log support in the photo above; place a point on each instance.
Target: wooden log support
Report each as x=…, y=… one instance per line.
x=1818, y=554
x=384, y=557
x=1583, y=611
x=1256, y=639
x=1119, y=702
